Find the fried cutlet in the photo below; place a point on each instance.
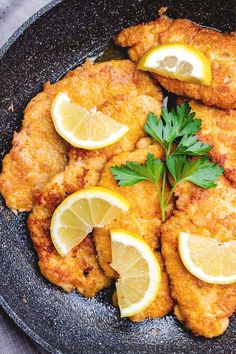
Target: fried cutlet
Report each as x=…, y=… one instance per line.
x=219, y=130
x=143, y=217
x=79, y=270
x=84, y=166
x=219, y=48
x=203, y=308
x=38, y=153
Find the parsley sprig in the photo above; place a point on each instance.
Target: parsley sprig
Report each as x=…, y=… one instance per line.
x=134, y=172
x=175, y=132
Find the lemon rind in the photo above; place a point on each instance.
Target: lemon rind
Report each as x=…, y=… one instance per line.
x=112, y=197
x=69, y=137
x=197, y=272
x=205, y=69
x=129, y=239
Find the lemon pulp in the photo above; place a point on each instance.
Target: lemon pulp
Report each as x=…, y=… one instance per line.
x=83, y=128
x=207, y=259
x=138, y=269
x=178, y=61
x=76, y=216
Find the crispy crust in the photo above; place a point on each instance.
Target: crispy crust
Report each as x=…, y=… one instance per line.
x=219, y=130
x=219, y=48
x=143, y=217
x=38, y=153
x=85, y=166
x=204, y=308
x=79, y=270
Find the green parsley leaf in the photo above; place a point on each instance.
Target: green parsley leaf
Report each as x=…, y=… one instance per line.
x=172, y=125
x=134, y=172
x=186, y=124
x=201, y=172
x=156, y=129
x=189, y=145
x=177, y=125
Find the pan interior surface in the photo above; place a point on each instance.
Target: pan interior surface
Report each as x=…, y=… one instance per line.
x=44, y=49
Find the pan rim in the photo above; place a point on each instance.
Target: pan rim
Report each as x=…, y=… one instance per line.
x=26, y=329
x=25, y=25
x=3, y=50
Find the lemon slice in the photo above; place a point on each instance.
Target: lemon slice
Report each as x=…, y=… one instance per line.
x=82, y=128
x=138, y=269
x=208, y=259
x=76, y=216
x=177, y=61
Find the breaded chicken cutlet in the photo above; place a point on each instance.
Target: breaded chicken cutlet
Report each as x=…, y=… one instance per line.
x=41, y=170
x=84, y=166
x=204, y=308
x=79, y=270
x=38, y=153
x=143, y=218
x=219, y=49
x=219, y=130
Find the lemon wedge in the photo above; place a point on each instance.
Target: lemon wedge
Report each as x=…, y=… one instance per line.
x=82, y=128
x=178, y=61
x=138, y=269
x=208, y=259
x=76, y=216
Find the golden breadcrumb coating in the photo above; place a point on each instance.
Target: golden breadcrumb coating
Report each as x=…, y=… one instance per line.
x=84, y=166
x=203, y=308
x=79, y=270
x=38, y=153
x=219, y=48
x=219, y=130
x=143, y=217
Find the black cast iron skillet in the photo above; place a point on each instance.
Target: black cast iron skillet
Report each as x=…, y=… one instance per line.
x=54, y=41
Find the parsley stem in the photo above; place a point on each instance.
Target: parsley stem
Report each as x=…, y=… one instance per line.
x=163, y=216
x=168, y=150
x=159, y=193
x=170, y=195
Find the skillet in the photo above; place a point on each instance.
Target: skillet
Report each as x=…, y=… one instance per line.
x=55, y=40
